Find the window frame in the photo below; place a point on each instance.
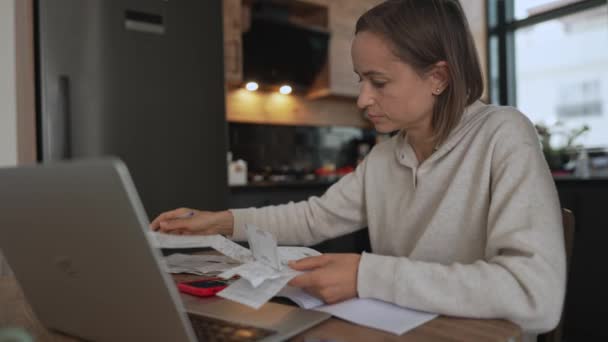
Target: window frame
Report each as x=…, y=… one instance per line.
x=502, y=26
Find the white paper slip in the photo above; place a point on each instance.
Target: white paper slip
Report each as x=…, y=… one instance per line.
x=162, y=240
x=300, y=297
x=263, y=246
x=199, y=264
x=378, y=314
x=289, y=253
x=188, y=260
x=215, y=268
x=364, y=311
x=232, y=249
x=256, y=272
x=174, y=269
x=242, y=292
x=217, y=242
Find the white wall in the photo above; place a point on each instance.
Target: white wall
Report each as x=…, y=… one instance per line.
x=8, y=117
x=475, y=10
x=8, y=107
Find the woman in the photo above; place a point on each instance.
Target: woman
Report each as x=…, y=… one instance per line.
x=462, y=211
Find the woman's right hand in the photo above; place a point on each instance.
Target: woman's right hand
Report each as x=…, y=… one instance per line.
x=192, y=221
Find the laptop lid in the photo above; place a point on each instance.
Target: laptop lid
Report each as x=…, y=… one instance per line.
x=74, y=236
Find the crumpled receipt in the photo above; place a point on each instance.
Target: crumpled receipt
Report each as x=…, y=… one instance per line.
x=218, y=242
x=199, y=264
x=264, y=271
x=264, y=277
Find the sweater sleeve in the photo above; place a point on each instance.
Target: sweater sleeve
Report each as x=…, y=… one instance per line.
x=339, y=211
x=522, y=276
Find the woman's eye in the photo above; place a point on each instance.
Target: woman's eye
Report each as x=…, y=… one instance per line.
x=374, y=83
x=378, y=84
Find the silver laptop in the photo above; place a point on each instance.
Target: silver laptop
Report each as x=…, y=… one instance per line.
x=74, y=234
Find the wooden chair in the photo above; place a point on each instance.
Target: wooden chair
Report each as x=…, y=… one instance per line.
x=556, y=335
x=4, y=269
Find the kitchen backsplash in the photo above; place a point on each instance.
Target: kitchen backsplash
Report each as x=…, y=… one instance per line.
x=288, y=153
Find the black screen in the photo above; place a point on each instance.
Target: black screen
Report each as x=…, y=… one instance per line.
x=276, y=52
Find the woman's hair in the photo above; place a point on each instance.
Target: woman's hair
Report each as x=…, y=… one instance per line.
x=424, y=32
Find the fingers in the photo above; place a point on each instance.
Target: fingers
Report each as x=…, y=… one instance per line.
x=306, y=280
x=310, y=262
x=175, y=226
x=169, y=215
x=311, y=283
x=331, y=277
x=155, y=224
x=310, y=279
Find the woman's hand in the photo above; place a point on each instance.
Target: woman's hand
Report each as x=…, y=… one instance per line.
x=332, y=277
x=191, y=221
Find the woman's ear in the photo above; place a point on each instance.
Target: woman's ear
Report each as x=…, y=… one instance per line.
x=439, y=77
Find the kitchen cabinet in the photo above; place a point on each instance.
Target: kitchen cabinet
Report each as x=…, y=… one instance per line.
x=337, y=78
x=586, y=304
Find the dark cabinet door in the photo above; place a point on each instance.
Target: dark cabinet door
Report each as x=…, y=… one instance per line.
x=586, y=306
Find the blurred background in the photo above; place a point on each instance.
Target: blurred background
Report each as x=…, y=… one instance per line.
x=549, y=59
x=239, y=103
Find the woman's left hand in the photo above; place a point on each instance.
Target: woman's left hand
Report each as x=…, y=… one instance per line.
x=332, y=277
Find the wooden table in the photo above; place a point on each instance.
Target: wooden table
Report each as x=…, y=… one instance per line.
x=16, y=312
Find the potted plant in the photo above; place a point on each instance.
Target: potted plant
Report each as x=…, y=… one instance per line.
x=558, y=156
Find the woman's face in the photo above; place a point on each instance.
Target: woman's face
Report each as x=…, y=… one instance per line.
x=392, y=94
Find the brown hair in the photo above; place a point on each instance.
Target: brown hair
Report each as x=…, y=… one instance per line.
x=424, y=32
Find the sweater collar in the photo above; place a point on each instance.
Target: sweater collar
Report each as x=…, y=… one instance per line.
x=405, y=154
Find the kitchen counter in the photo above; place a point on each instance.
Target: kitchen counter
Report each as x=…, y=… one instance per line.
x=265, y=193
x=569, y=178
x=298, y=184
x=285, y=184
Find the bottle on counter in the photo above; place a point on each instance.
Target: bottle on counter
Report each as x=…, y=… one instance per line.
x=582, y=169
x=237, y=171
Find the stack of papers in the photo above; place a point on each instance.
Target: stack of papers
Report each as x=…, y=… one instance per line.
x=368, y=312
x=264, y=274
x=378, y=314
x=217, y=242
x=263, y=270
x=199, y=264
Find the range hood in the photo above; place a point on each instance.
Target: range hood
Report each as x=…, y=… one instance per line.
x=278, y=51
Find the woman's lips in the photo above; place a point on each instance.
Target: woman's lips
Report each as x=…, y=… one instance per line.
x=374, y=116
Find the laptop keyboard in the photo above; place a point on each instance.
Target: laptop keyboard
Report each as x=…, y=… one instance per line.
x=212, y=329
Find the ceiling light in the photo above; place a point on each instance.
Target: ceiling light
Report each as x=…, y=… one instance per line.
x=251, y=86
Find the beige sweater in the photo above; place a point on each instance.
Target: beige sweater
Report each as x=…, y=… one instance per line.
x=473, y=231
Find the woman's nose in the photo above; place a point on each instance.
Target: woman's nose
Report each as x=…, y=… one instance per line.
x=365, y=99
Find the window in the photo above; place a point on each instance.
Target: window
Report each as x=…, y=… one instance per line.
x=580, y=99
x=550, y=59
x=527, y=8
